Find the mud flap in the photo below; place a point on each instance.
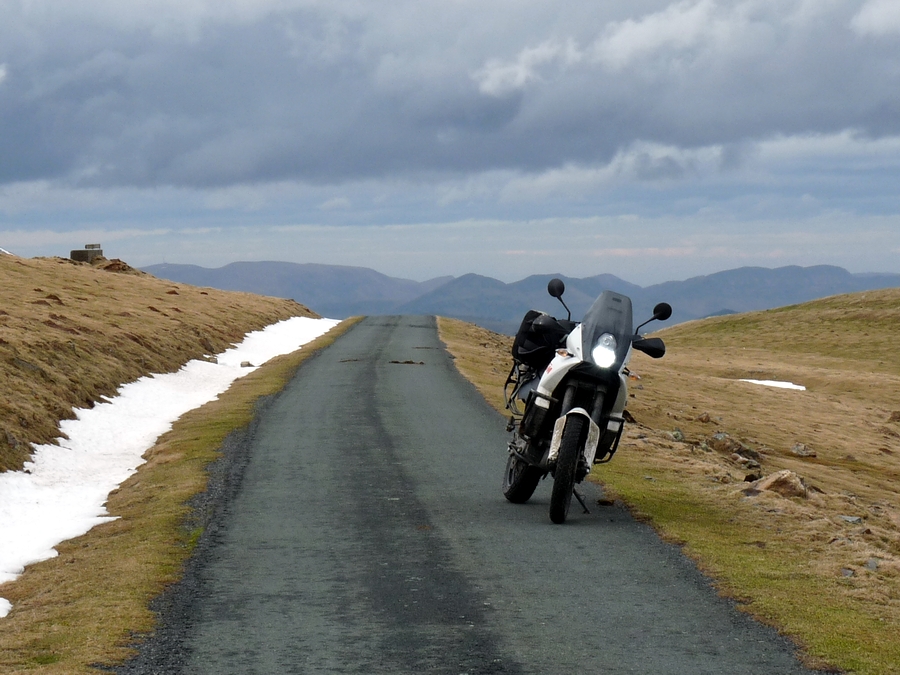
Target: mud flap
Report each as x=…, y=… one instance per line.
x=590, y=445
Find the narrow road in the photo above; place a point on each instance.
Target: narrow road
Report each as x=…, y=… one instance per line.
x=369, y=535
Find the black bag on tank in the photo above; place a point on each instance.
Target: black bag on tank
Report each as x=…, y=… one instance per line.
x=534, y=348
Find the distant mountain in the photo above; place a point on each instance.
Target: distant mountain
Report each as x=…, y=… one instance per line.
x=331, y=290
x=338, y=291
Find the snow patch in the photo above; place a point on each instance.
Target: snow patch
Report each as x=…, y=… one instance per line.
x=776, y=383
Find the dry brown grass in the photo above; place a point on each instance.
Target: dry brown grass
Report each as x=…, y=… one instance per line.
x=87, y=605
x=832, y=585
x=72, y=332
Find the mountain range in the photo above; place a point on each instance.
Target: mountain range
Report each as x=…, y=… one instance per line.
x=339, y=291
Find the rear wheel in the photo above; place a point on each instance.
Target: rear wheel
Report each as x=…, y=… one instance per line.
x=566, y=467
x=520, y=480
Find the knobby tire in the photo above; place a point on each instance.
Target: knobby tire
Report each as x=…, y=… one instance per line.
x=566, y=468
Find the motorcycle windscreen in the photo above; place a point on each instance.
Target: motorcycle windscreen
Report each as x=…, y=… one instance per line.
x=610, y=313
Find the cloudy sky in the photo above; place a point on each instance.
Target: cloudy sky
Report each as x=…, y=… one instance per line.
x=650, y=139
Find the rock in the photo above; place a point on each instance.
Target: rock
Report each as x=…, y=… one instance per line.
x=802, y=450
x=895, y=416
x=872, y=564
x=722, y=442
x=677, y=435
x=703, y=417
x=853, y=520
x=246, y=364
x=785, y=483
x=847, y=572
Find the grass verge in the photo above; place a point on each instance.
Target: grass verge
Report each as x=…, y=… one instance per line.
x=85, y=607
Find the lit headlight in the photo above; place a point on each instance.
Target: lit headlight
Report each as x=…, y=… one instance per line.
x=604, y=352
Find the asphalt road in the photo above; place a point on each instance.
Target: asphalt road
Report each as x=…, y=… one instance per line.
x=368, y=534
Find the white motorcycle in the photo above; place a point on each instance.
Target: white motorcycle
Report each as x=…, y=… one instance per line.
x=572, y=379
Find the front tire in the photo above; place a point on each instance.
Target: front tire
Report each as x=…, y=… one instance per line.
x=520, y=480
x=566, y=468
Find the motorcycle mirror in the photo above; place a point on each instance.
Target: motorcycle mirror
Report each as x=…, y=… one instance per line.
x=662, y=311
x=556, y=288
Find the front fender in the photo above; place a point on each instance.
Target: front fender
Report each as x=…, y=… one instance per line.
x=590, y=445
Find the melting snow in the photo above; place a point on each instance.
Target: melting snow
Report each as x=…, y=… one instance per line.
x=61, y=493
x=775, y=383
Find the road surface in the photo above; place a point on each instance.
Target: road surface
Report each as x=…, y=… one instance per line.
x=369, y=535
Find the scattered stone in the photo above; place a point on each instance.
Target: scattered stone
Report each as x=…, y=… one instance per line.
x=745, y=461
x=704, y=417
x=802, y=450
x=847, y=572
x=752, y=477
x=872, y=564
x=722, y=442
x=649, y=478
x=677, y=435
x=785, y=483
x=853, y=520
x=246, y=364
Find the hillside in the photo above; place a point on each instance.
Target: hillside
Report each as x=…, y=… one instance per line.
x=71, y=333
x=822, y=562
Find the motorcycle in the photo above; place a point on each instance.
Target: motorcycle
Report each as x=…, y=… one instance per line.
x=572, y=379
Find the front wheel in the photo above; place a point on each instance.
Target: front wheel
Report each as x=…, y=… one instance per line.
x=520, y=480
x=566, y=468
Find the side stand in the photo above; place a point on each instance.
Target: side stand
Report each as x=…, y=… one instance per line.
x=580, y=501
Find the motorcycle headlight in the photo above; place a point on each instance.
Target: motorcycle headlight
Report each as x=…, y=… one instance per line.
x=604, y=352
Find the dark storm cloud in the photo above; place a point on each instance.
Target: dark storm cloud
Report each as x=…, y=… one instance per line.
x=191, y=94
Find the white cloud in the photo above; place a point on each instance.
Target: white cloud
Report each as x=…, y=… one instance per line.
x=677, y=27
x=497, y=78
x=2, y=72
x=641, y=162
x=877, y=17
